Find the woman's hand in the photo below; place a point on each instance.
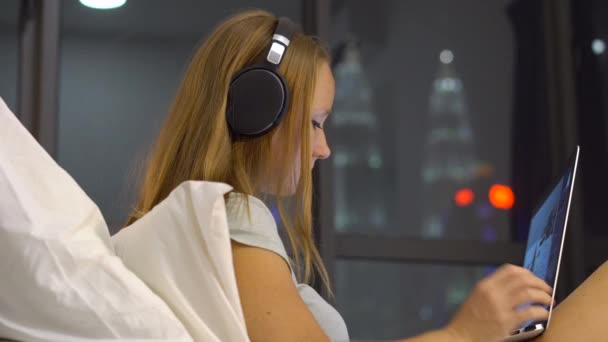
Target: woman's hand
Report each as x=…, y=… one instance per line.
x=491, y=311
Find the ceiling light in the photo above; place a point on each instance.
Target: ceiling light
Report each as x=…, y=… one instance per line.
x=103, y=4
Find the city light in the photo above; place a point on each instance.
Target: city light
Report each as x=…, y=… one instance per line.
x=446, y=56
x=598, y=46
x=464, y=197
x=501, y=196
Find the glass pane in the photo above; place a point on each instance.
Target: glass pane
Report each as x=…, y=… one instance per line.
x=9, y=17
x=421, y=126
x=381, y=300
x=591, y=37
x=120, y=69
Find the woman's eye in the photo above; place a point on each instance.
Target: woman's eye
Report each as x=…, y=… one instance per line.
x=316, y=124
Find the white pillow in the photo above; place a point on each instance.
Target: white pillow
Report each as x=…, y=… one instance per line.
x=181, y=249
x=60, y=278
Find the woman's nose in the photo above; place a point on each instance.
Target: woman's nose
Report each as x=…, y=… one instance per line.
x=320, y=148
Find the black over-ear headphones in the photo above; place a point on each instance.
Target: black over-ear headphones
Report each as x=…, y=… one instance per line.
x=258, y=96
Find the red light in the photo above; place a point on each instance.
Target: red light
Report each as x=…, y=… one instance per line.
x=501, y=196
x=464, y=197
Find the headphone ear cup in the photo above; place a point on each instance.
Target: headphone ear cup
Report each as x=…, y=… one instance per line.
x=257, y=100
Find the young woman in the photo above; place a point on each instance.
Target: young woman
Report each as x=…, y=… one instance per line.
x=247, y=132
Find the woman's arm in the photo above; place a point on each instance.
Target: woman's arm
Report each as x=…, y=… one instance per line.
x=489, y=314
x=437, y=336
x=273, y=308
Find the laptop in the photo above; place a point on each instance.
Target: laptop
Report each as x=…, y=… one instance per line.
x=546, y=242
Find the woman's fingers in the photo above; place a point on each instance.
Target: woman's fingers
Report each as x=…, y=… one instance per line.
x=531, y=313
x=514, y=277
x=530, y=295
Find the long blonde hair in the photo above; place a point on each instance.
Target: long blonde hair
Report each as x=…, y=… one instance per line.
x=195, y=143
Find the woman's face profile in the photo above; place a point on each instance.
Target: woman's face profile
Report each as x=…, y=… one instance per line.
x=322, y=102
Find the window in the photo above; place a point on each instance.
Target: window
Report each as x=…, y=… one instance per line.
x=9, y=17
x=440, y=151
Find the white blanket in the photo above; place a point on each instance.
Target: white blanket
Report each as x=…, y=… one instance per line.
x=60, y=279
x=181, y=249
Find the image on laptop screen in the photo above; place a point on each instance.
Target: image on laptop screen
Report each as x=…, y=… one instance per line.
x=547, y=229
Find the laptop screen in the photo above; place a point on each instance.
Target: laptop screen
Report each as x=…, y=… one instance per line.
x=547, y=227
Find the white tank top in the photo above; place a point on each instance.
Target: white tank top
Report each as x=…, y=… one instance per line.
x=259, y=229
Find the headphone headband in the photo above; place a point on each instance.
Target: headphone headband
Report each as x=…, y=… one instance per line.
x=280, y=41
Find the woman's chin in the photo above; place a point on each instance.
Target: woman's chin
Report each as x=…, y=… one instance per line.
x=286, y=191
x=290, y=191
